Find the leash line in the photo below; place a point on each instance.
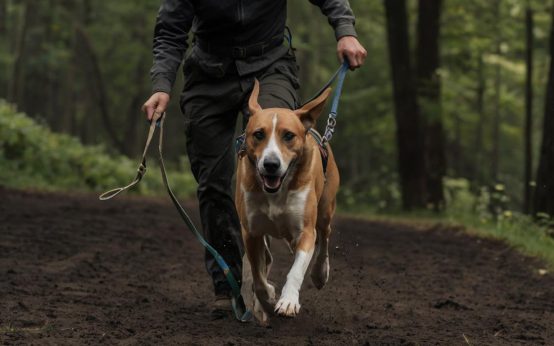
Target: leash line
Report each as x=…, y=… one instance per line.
x=239, y=308
x=332, y=119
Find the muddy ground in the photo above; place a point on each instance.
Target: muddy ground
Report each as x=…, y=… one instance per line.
x=74, y=270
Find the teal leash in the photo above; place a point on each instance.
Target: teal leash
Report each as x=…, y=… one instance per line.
x=339, y=75
x=239, y=308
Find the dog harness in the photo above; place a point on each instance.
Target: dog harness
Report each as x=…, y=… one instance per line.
x=240, y=147
x=323, y=151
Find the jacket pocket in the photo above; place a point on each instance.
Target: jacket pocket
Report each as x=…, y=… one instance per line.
x=209, y=65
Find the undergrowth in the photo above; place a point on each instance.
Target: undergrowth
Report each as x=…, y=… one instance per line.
x=32, y=156
x=480, y=214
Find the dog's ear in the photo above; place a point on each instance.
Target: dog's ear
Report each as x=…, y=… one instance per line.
x=253, y=105
x=309, y=113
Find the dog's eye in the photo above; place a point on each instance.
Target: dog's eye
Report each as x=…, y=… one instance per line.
x=289, y=136
x=259, y=135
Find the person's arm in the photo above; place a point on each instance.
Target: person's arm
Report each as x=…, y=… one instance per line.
x=340, y=16
x=170, y=43
x=342, y=20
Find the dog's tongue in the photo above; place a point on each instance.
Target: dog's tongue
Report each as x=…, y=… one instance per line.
x=272, y=182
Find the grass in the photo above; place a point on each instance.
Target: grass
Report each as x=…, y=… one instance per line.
x=517, y=230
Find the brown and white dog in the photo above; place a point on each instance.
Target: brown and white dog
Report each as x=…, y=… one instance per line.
x=282, y=192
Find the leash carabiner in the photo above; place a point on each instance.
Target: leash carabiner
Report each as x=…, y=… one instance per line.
x=332, y=119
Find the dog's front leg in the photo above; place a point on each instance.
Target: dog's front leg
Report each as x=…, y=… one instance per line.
x=289, y=303
x=264, y=292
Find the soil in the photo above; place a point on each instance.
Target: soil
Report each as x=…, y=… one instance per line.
x=74, y=270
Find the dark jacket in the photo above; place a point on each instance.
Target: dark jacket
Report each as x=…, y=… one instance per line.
x=228, y=23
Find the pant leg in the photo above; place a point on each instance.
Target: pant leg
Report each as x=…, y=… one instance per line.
x=210, y=107
x=279, y=84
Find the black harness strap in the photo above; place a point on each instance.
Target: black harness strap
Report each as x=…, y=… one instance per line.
x=322, y=148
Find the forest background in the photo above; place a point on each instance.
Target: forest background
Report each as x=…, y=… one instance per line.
x=450, y=112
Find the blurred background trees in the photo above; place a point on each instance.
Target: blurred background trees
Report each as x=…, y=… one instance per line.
x=452, y=96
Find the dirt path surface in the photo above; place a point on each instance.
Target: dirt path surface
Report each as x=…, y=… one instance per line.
x=74, y=270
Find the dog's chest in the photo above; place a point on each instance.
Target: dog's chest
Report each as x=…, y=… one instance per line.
x=280, y=215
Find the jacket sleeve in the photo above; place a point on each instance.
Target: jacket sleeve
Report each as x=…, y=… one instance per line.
x=170, y=42
x=340, y=16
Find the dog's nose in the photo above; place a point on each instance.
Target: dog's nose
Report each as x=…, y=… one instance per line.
x=271, y=165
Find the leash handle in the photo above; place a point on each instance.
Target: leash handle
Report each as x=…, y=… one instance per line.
x=141, y=171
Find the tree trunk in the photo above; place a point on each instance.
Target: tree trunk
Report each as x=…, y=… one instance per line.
x=17, y=80
x=495, y=159
x=410, y=143
x=3, y=16
x=544, y=194
x=99, y=87
x=428, y=87
x=480, y=108
x=528, y=112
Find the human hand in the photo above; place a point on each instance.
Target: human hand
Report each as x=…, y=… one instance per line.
x=350, y=47
x=156, y=105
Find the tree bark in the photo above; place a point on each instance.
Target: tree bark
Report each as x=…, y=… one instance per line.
x=495, y=159
x=99, y=87
x=428, y=87
x=528, y=111
x=3, y=16
x=17, y=80
x=480, y=128
x=410, y=143
x=544, y=194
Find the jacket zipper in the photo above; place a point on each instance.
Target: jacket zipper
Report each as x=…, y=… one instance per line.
x=241, y=12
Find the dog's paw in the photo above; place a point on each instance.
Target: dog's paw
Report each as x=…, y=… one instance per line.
x=288, y=305
x=266, y=296
x=320, y=273
x=260, y=314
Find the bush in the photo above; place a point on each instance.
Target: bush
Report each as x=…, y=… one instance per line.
x=32, y=156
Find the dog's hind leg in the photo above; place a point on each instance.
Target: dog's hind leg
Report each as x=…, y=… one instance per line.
x=268, y=257
x=320, y=269
x=247, y=284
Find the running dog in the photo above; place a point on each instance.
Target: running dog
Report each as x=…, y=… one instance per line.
x=283, y=192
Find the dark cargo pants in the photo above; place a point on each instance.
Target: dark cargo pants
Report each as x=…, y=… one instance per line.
x=211, y=103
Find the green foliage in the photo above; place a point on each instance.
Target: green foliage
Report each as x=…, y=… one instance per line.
x=58, y=84
x=483, y=213
x=32, y=156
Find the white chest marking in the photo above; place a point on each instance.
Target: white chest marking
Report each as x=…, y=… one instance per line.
x=276, y=214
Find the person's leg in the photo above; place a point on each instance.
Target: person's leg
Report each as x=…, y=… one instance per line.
x=210, y=109
x=279, y=84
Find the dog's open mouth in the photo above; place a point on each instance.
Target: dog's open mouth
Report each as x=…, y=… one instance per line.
x=272, y=183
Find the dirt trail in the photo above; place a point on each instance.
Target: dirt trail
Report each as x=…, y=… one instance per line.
x=74, y=270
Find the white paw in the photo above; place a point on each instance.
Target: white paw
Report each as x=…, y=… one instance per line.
x=288, y=305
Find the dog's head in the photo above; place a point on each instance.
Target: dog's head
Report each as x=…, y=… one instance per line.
x=275, y=138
